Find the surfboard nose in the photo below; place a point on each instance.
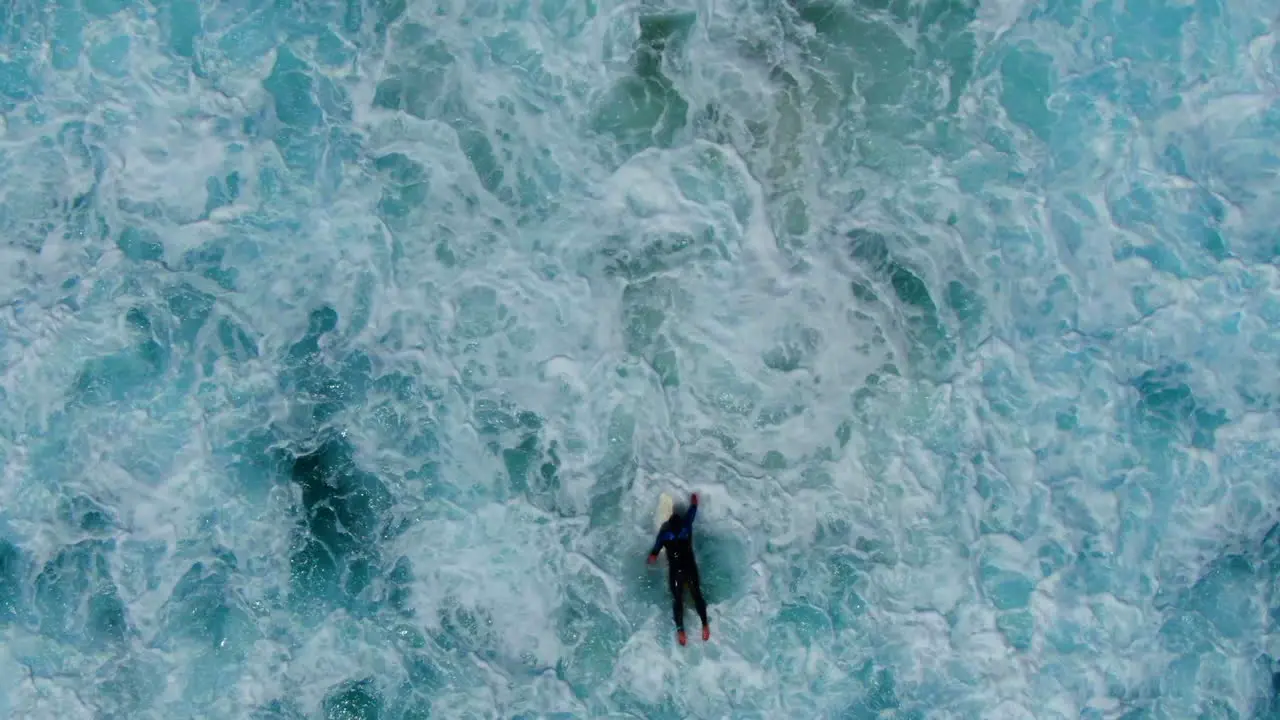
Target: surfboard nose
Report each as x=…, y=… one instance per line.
x=665, y=507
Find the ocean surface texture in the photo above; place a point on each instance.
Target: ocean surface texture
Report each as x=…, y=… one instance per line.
x=346, y=346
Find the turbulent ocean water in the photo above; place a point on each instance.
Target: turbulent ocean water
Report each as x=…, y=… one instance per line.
x=346, y=346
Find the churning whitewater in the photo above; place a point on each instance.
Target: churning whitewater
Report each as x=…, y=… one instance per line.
x=346, y=347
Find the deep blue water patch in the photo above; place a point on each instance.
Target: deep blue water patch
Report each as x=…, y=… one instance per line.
x=336, y=556
x=1170, y=412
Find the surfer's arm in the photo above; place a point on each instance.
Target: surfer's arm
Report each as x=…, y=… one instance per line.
x=657, y=545
x=693, y=509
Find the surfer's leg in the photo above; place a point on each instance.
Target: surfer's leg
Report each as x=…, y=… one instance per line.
x=677, y=599
x=695, y=587
x=677, y=603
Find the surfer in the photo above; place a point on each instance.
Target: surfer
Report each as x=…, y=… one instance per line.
x=676, y=535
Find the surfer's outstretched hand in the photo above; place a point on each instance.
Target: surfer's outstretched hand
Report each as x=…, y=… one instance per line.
x=693, y=499
x=653, y=558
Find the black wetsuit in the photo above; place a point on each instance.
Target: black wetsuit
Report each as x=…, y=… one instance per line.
x=676, y=535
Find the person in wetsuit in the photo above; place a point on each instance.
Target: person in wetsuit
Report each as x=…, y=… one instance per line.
x=676, y=535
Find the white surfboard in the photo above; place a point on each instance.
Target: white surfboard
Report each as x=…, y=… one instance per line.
x=665, y=504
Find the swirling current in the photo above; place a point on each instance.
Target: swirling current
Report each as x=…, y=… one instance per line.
x=346, y=346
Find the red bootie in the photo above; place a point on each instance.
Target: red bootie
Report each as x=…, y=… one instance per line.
x=706, y=633
x=681, y=637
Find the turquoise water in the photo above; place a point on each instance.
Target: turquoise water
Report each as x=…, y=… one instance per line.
x=346, y=346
